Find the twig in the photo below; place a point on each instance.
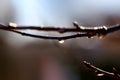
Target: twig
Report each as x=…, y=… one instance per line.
x=101, y=72
x=80, y=31
x=49, y=37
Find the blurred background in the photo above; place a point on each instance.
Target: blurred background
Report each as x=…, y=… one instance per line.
x=26, y=58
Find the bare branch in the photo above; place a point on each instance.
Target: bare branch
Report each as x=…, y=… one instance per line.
x=80, y=31
x=101, y=72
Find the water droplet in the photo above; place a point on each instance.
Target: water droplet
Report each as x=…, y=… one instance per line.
x=100, y=74
x=11, y=24
x=81, y=27
x=61, y=41
x=95, y=28
x=101, y=36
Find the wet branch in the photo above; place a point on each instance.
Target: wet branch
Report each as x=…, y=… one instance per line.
x=77, y=30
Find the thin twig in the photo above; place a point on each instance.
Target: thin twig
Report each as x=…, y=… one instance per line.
x=113, y=74
x=79, y=30
x=49, y=37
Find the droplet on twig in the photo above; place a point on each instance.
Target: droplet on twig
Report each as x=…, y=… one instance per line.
x=95, y=28
x=11, y=24
x=101, y=36
x=100, y=74
x=82, y=27
x=61, y=41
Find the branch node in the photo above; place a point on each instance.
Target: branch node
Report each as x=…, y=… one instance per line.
x=105, y=28
x=75, y=23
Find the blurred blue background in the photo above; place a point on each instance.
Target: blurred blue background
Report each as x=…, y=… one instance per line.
x=26, y=58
